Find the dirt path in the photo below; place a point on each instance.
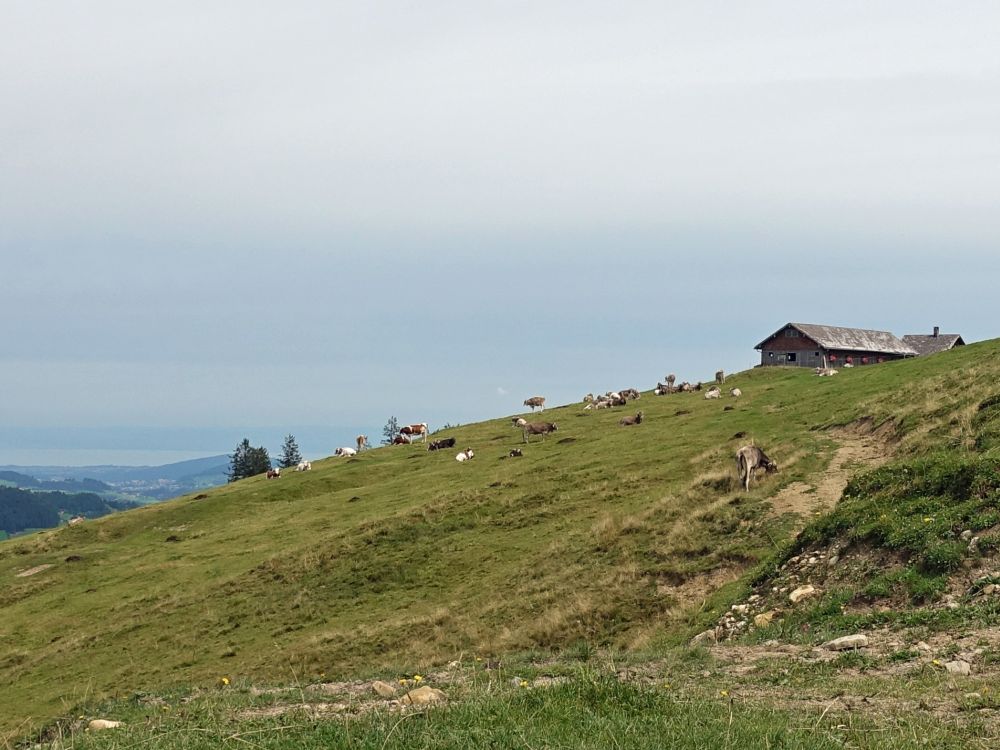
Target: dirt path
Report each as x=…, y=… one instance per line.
x=855, y=452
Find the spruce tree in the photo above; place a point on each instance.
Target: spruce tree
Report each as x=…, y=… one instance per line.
x=290, y=455
x=247, y=461
x=390, y=431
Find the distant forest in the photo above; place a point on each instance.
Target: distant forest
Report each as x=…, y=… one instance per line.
x=24, y=509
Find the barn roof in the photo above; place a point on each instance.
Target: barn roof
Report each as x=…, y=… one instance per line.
x=927, y=344
x=853, y=339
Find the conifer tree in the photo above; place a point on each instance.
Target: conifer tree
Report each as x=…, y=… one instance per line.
x=247, y=461
x=290, y=455
x=390, y=431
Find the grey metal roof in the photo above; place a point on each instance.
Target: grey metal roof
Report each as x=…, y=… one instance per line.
x=853, y=339
x=925, y=344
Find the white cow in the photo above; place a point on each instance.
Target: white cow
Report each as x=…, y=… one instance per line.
x=345, y=452
x=303, y=466
x=735, y=393
x=465, y=455
x=714, y=392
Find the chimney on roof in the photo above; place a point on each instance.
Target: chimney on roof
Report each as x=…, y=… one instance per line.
x=937, y=329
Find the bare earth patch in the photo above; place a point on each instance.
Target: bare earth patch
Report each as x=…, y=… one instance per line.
x=32, y=571
x=854, y=453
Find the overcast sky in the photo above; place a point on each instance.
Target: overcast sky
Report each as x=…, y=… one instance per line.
x=229, y=219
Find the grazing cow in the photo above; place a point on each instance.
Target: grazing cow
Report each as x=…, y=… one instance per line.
x=413, y=430
x=76, y=520
x=437, y=445
x=749, y=458
x=519, y=421
x=345, y=452
x=534, y=401
x=465, y=455
x=274, y=473
x=720, y=377
x=735, y=393
x=713, y=392
x=628, y=421
x=671, y=378
x=515, y=453
x=362, y=442
x=401, y=440
x=304, y=466
x=537, y=428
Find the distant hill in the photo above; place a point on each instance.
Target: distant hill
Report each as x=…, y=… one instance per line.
x=25, y=481
x=26, y=509
x=139, y=483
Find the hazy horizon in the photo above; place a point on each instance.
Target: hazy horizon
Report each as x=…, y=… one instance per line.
x=220, y=220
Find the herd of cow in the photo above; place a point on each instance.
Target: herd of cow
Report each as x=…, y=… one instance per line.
x=748, y=458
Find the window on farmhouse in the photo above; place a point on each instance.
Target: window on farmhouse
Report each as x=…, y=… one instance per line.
x=791, y=333
x=791, y=356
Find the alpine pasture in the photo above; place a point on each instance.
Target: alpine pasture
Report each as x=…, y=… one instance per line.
x=599, y=553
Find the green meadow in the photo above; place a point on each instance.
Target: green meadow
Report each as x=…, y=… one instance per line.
x=604, y=548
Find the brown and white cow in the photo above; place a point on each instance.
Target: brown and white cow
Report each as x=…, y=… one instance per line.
x=628, y=421
x=749, y=458
x=401, y=440
x=274, y=473
x=362, y=442
x=534, y=401
x=465, y=455
x=537, y=428
x=413, y=430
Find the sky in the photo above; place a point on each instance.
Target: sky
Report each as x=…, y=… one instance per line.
x=245, y=219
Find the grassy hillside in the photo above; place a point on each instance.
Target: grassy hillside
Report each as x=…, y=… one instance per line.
x=625, y=538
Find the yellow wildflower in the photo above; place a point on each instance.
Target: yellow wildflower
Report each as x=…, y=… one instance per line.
x=724, y=693
x=927, y=519
x=417, y=678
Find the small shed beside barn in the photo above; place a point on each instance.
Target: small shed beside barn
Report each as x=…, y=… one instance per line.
x=806, y=345
x=936, y=342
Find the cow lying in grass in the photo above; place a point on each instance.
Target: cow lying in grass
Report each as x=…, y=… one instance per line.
x=345, y=452
x=628, y=421
x=465, y=455
x=436, y=445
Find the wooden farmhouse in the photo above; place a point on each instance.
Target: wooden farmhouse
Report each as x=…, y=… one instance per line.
x=806, y=344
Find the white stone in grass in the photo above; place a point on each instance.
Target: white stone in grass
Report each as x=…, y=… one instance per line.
x=802, y=592
x=959, y=667
x=384, y=689
x=847, y=642
x=422, y=696
x=98, y=724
